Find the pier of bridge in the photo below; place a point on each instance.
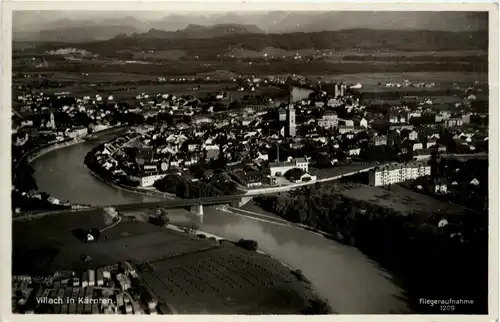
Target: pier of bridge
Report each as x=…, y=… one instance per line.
x=197, y=210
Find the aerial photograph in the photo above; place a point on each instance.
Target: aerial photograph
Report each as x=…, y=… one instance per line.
x=250, y=162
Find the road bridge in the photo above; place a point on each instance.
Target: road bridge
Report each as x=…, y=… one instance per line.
x=196, y=205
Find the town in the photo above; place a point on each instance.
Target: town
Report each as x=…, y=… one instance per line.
x=105, y=290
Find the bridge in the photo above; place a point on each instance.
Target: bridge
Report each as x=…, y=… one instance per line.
x=238, y=200
x=195, y=205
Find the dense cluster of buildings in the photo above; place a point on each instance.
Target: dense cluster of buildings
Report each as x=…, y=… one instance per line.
x=116, y=289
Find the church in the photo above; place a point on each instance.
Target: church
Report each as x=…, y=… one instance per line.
x=287, y=116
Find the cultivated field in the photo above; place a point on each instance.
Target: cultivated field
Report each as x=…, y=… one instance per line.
x=227, y=280
x=401, y=199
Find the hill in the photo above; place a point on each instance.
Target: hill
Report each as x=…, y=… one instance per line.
x=193, y=31
x=75, y=34
x=358, y=39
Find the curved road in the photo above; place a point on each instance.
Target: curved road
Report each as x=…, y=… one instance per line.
x=352, y=283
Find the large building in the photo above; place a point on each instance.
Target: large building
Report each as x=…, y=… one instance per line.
x=340, y=90
x=329, y=120
x=280, y=168
x=395, y=173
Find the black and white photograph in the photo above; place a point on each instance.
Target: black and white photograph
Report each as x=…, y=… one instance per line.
x=253, y=162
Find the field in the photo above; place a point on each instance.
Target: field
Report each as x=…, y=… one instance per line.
x=192, y=275
x=160, y=55
x=337, y=55
x=224, y=281
x=128, y=92
x=372, y=79
x=55, y=238
x=401, y=199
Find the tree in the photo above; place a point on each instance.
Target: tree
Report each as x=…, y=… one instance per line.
x=197, y=170
x=235, y=105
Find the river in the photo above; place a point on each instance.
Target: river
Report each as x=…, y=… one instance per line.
x=351, y=282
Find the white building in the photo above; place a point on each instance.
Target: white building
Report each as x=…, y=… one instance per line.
x=350, y=129
x=329, y=120
x=280, y=168
x=354, y=151
x=78, y=132
x=149, y=180
x=395, y=173
x=417, y=146
x=349, y=123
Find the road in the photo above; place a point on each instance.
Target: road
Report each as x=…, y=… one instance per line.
x=181, y=203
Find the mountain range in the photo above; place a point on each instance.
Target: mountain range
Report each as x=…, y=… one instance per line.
x=33, y=26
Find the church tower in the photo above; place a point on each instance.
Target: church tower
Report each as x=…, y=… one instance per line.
x=291, y=116
x=52, y=123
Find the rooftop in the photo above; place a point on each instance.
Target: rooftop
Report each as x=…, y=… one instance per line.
x=394, y=166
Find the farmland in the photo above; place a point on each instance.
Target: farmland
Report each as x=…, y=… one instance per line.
x=226, y=280
x=79, y=86
x=400, y=199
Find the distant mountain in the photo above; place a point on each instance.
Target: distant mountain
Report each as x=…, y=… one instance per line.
x=193, y=31
x=75, y=34
x=285, y=22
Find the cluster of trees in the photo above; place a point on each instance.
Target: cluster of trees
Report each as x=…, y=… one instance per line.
x=185, y=188
x=248, y=244
x=433, y=262
x=24, y=180
x=159, y=219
